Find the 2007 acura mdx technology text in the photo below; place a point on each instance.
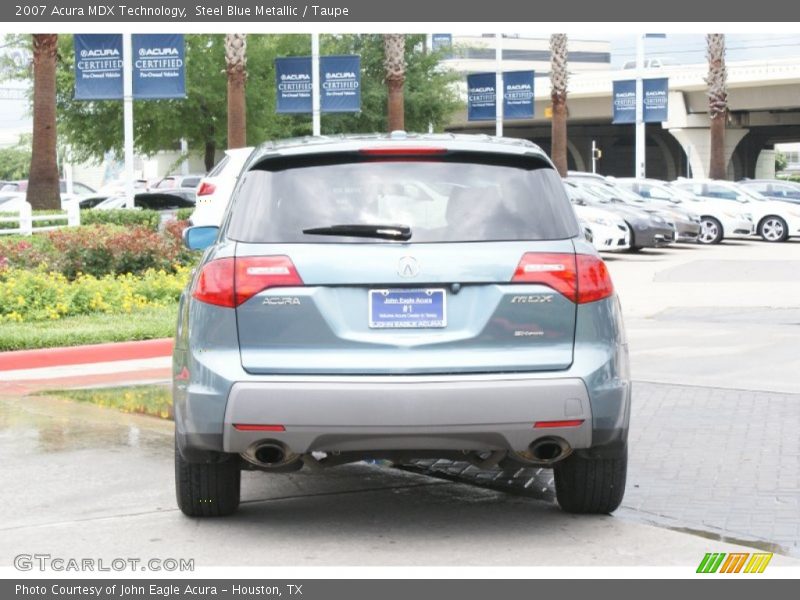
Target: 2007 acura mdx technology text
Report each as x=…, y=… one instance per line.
x=399, y=297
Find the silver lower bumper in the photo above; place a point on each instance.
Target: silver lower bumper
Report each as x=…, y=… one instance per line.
x=478, y=412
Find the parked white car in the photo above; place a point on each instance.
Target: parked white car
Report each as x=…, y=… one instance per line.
x=719, y=219
x=214, y=191
x=609, y=232
x=775, y=221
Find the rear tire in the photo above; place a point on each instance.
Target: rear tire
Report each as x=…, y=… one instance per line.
x=207, y=489
x=589, y=485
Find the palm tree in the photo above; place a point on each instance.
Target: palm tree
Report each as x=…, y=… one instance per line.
x=236, y=68
x=394, y=49
x=717, y=102
x=43, y=185
x=558, y=96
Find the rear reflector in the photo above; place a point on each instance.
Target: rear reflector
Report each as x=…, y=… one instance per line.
x=403, y=151
x=581, y=278
x=548, y=424
x=206, y=189
x=254, y=427
x=230, y=282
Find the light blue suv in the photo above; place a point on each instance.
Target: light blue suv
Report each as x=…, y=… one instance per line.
x=398, y=297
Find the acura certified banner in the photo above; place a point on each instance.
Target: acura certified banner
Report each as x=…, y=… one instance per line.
x=98, y=66
x=293, y=84
x=624, y=99
x=518, y=95
x=481, y=96
x=656, y=95
x=158, y=66
x=341, y=83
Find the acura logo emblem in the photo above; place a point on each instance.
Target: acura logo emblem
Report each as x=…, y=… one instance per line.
x=408, y=267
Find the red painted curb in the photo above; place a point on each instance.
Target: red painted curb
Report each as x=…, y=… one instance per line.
x=79, y=355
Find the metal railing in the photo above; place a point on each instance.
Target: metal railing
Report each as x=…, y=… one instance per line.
x=27, y=221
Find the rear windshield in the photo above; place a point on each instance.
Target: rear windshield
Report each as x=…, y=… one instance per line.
x=440, y=201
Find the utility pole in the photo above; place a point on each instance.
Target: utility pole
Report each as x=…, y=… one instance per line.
x=316, y=126
x=640, y=139
x=127, y=111
x=498, y=86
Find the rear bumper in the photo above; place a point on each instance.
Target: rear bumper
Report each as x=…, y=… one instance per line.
x=686, y=232
x=332, y=414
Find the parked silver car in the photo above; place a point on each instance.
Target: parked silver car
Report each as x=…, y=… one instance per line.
x=339, y=314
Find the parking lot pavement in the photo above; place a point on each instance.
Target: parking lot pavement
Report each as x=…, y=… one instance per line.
x=86, y=482
x=720, y=316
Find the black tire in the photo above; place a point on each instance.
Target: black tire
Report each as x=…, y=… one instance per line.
x=773, y=228
x=710, y=231
x=591, y=485
x=207, y=489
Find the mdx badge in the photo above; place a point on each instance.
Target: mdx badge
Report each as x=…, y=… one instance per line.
x=534, y=299
x=408, y=267
x=281, y=300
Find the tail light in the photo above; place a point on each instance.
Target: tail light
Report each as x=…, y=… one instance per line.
x=230, y=282
x=581, y=278
x=206, y=189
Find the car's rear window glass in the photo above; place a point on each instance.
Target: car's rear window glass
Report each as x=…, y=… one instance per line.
x=440, y=200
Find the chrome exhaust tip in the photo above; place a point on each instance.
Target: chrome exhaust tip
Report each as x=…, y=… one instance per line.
x=546, y=451
x=269, y=454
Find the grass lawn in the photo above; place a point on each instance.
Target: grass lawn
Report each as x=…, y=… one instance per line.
x=154, y=400
x=144, y=324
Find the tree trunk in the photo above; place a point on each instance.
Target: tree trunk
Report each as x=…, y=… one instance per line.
x=237, y=110
x=717, y=167
x=236, y=68
x=43, y=181
x=558, y=135
x=559, y=76
x=717, y=81
x=394, y=63
x=396, y=105
x=209, y=155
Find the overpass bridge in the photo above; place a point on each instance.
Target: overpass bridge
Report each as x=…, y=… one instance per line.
x=763, y=100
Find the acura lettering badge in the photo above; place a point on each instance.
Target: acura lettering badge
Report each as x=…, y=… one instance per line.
x=408, y=267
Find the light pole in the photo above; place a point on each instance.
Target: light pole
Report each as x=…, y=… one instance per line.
x=640, y=139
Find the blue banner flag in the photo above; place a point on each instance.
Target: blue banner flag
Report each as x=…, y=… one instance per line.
x=158, y=66
x=293, y=83
x=518, y=96
x=98, y=66
x=656, y=94
x=442, y=42
x=481, y=96
x=624, y=99
x=341, y=83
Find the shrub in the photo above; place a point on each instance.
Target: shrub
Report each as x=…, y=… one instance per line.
x=149, y=219
x=38, y=295
x=183, y=214
x=96, y=250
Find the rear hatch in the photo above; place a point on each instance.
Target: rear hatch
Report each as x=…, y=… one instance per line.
x=419, y=262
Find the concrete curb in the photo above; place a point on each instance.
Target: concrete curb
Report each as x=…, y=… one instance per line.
x=78, y=355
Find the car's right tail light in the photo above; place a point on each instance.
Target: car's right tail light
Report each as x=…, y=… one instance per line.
x=581, y=278
x=206, y=188
x=230, y=282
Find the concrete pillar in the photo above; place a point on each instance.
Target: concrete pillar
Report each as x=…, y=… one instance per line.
x=765, y=165
x=696, y=144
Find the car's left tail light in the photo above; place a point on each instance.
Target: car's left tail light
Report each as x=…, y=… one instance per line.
x=230, y=282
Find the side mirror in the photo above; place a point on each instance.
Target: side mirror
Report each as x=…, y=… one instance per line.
x=200, y=237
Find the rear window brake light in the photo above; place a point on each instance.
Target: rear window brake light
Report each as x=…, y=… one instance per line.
x=403, y=151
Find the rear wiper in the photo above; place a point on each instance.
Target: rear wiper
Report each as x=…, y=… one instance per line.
x=386, y=232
